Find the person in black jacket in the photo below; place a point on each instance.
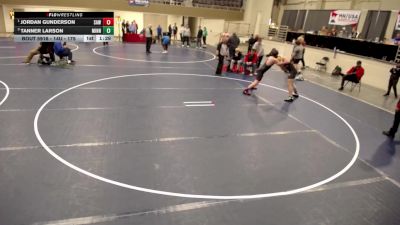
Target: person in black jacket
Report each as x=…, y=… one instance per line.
x=222, y=53
x=199, y=37
x=251, y=41
x=233, y=43
x=394, y=78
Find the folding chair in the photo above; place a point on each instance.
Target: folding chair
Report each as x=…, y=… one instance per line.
x=321, y=65
x=353, y=85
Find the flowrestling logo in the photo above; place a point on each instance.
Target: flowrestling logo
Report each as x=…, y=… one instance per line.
x=139, y=2
x=344, y=17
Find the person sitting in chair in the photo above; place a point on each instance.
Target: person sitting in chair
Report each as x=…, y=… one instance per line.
x=353, y=75
x=236, y=59
x=250, y=61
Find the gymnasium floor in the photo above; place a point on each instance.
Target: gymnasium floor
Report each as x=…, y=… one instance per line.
x=127, y=138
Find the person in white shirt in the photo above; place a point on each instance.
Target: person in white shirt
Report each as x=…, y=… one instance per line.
x=186, y=36
x=259, y=50
x=148, y=32
x=181, y=32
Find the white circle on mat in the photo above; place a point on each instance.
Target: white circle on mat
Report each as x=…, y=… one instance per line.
x=154, y=61
x=198, y=196
x=7, y=92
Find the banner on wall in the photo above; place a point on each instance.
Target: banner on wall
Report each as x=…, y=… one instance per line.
x=344, y=17
x=398, y=22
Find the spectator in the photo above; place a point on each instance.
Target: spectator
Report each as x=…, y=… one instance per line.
x=136, y=30
x=323, y=31
x=303, y=43
x=354, y=33
x=126, y=26
x=148, y=32
x=353, y=75
x=390, y=133
x=236, y=59
x=123, y=27
x=396, y=40
x=181, y=33
x=61, y=50
x=297, y=55
x=233, y=43
x=250, y=60
x=394, y=78
x=186, y=36
x=159, y=33
x=199, y=37
x=132, y=28
x=175, y=31
x=166, y=40
x=170, y=30
x=259, y=49
x=205, y=34
x=251, y=42
x=333, y=31
x=222, y=53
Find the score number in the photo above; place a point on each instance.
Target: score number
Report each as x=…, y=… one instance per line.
x=108, y=21
x=108, y=26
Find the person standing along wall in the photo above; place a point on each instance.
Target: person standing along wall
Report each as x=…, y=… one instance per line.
x=181, y=34
x=205, y=34
x=159, y=33
x=186, y=36
x=175, y=31
x=199, y=37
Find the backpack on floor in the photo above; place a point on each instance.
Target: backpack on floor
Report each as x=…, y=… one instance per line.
x=337, y=71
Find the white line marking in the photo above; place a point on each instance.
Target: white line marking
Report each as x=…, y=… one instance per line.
x=119, y=108
x=198, y=102
x=7, y=92
x=142, y=60
x=193, y=205
x=175, y=194
x=7, y=46
x=156, y=140
x=198, y=105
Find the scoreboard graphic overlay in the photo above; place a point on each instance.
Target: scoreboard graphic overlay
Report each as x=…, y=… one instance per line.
x=63, y=26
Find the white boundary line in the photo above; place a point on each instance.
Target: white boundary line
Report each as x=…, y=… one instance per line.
x=197, y=196
x=17, y=57
x=153, y=61
x=7, y=92
x=199, y=105
x=198, y=102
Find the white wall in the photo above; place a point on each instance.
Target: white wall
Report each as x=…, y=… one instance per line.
x=215, y=28
x=376, y=72
x=172, y=19
x=258, y=7
x=155, y=20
